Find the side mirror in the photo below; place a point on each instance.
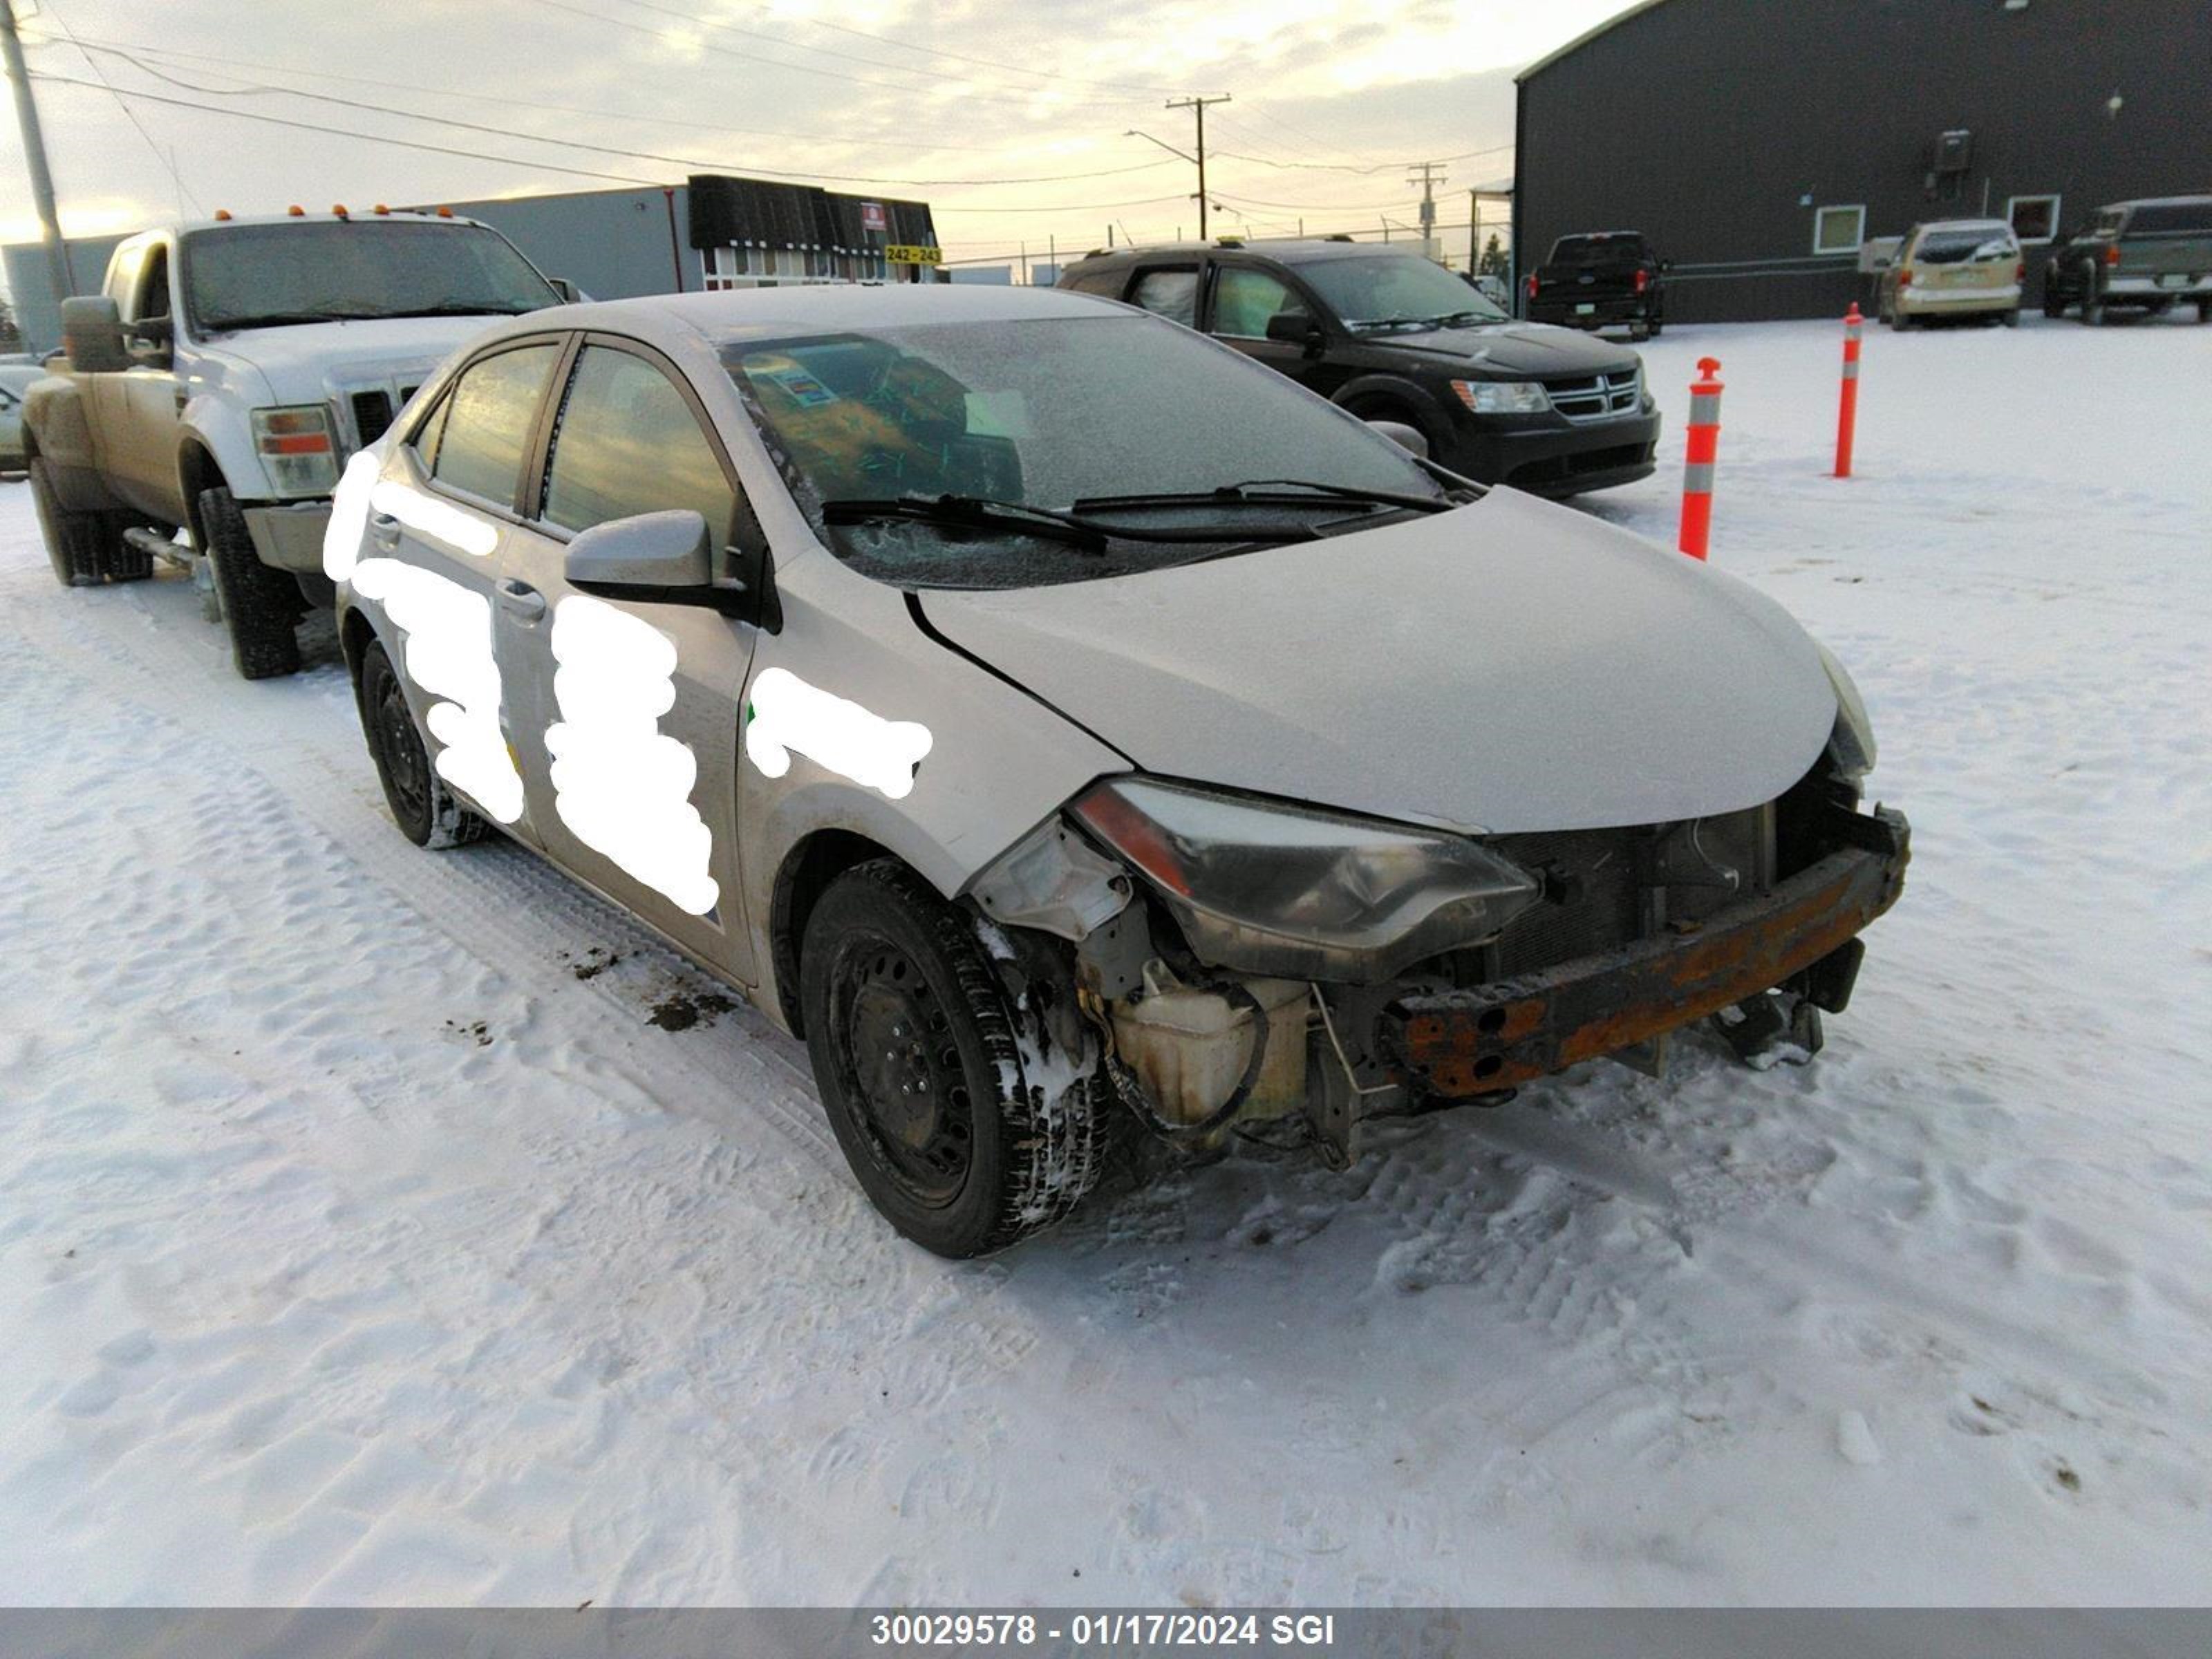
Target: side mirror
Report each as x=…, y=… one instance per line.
x=570, y=292
x=92, y=335
x=1666, y=265
x=1295, y=328
x=653, y=550
x=1408, y=438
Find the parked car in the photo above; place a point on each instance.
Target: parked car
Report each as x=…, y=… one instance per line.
x=2143, y=256
x=1600, y=279
x=1391, y=335
x=15, y=378
x=1071, y=730
x=1949, y=269
x=219, y=380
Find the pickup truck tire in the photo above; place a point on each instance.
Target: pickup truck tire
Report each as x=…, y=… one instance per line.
x=2054, y=299
x=428, y=813
x=260, y=607
x=1658, y=327
x=2204, y=311
x=914, y=1049
x=77, y=541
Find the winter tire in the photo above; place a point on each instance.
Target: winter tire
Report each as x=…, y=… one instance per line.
x=2011, y=318
x=428, y=812
x=2054, y=300
x=260, y=607
x=74, y=538
x=926, y=1087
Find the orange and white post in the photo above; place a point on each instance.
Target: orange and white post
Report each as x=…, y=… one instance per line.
x=1705, y=449
x=1847, y=409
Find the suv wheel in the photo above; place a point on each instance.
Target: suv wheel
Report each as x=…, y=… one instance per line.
x=260, y=607
x=913, y=1051
x=428, y=812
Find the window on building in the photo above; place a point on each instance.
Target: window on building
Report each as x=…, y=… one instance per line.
x=487, y=421
x=722, y=267
x=1838, y=230
x=1169, y=293
x=629, y=443
x=2034, y=218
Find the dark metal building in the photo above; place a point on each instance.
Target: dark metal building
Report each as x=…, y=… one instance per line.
x=1760, y=142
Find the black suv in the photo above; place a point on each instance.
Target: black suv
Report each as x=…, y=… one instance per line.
x=1393, y=336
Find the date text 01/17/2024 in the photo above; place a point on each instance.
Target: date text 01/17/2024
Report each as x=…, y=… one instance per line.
x=1275, y=1632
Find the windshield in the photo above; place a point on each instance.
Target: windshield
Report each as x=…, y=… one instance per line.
x=1951, y=247
x=1053, y=414
x=1596, y=250
x=1383, y=289
x=259, y=276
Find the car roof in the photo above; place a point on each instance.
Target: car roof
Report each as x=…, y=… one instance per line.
x=760, y=313
x=1290, y=250
x=2157, y=201
x=1964, y=224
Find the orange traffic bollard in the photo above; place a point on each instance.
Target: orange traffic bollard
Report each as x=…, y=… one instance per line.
x=1847, y=409
x=1704, y=448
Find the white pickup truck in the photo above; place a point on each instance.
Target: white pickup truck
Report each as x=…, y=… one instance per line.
x=222, y=378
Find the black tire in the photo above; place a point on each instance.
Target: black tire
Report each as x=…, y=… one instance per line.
x=969, y=1156
x=2204, y=311
x=2054, y=299
x=260, y=607
x=2009, y=318
x=1658, y=327
x=2092, y=303
x=75, y=539
x=428, y=812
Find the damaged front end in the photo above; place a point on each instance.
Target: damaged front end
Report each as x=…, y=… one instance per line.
x=1239, y=961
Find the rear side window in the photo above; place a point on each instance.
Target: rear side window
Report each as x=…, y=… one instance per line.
x=487, y=420
x=1169, y=293
x=1106, y=284
x=2168, y=216
x=629, y=443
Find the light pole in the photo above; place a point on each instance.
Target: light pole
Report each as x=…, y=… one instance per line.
x=35, y=156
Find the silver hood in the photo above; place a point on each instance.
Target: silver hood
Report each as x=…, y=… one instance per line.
x=1513, y=665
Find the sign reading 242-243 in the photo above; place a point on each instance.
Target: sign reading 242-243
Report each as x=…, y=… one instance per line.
x=900, y=254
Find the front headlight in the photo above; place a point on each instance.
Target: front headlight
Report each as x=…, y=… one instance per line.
x=1294, y=892
x=299, y=451
x=1854, y=735
x=1503, y=396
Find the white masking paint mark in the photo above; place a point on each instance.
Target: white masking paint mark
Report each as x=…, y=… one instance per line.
x=789, y=713
x=349, y=518
x=620, y=784
x=448, y=654
x=440, y=520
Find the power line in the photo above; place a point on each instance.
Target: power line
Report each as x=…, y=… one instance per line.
x=168, y=162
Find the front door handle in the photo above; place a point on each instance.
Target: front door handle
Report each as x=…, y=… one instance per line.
x=520, y=597
x=384, y=531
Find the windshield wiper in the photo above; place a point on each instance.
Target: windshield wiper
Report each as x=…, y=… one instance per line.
x=1270, y=492
x=1048, y=523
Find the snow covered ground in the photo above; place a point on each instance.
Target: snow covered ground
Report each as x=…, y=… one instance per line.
x=380, y=1226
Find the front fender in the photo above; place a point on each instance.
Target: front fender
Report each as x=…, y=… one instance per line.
x=1430, y=414
x=218, y=426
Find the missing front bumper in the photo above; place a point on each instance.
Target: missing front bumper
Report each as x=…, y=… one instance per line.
x=1456, y=1044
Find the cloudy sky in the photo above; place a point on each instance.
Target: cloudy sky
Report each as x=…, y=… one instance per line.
x=1011, y=117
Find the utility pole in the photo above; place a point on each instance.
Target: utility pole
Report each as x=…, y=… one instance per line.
x=1197, y=107
x=1428, y=179
x=1474, y=233
x=35, y=156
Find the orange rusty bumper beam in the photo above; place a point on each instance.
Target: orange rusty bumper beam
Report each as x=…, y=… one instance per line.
x=1456, y=1044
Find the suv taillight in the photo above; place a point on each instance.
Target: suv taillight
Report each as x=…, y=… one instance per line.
x=1643, y=280
x=2111, y=253
x=1532, y=284
x=1905, y=278
x=2019, y=270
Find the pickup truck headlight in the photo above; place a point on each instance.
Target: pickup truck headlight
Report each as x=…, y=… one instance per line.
x=299, y=451
x=1269, y=887
x=1503, y=396
x=1854, y=736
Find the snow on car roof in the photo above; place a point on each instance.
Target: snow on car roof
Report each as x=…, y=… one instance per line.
x=737, y=313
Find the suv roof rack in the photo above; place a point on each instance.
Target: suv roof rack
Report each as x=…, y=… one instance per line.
x=1338, y=236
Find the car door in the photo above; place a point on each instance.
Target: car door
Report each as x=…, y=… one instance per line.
x=438, y=519
x=143, y=401
x=1244, y=296
x=628, y=710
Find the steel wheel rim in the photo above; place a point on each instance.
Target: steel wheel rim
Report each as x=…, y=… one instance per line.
x=406, y=767
x=904, y=1080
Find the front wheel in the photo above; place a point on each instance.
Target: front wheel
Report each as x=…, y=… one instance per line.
x=260, y=607
x=926, y=1087
x=428, y=812
x=2204, y=311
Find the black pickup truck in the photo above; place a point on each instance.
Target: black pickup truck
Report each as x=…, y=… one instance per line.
x=2141, y=255
x=1600, y=279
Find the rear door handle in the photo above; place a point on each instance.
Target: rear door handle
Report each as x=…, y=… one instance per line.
x=384, y=531
x=520, y=597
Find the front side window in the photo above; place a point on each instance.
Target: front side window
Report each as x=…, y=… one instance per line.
x=241, y=277
x=1395, y=291
x=1244, y=299
x=1169, y=293
x=486, y=422
x=1838, y=230
x=627, y=443
x=1066, y=415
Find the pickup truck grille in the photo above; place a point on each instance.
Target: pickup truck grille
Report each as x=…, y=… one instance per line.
x=1597, y=397
x=372, y=416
